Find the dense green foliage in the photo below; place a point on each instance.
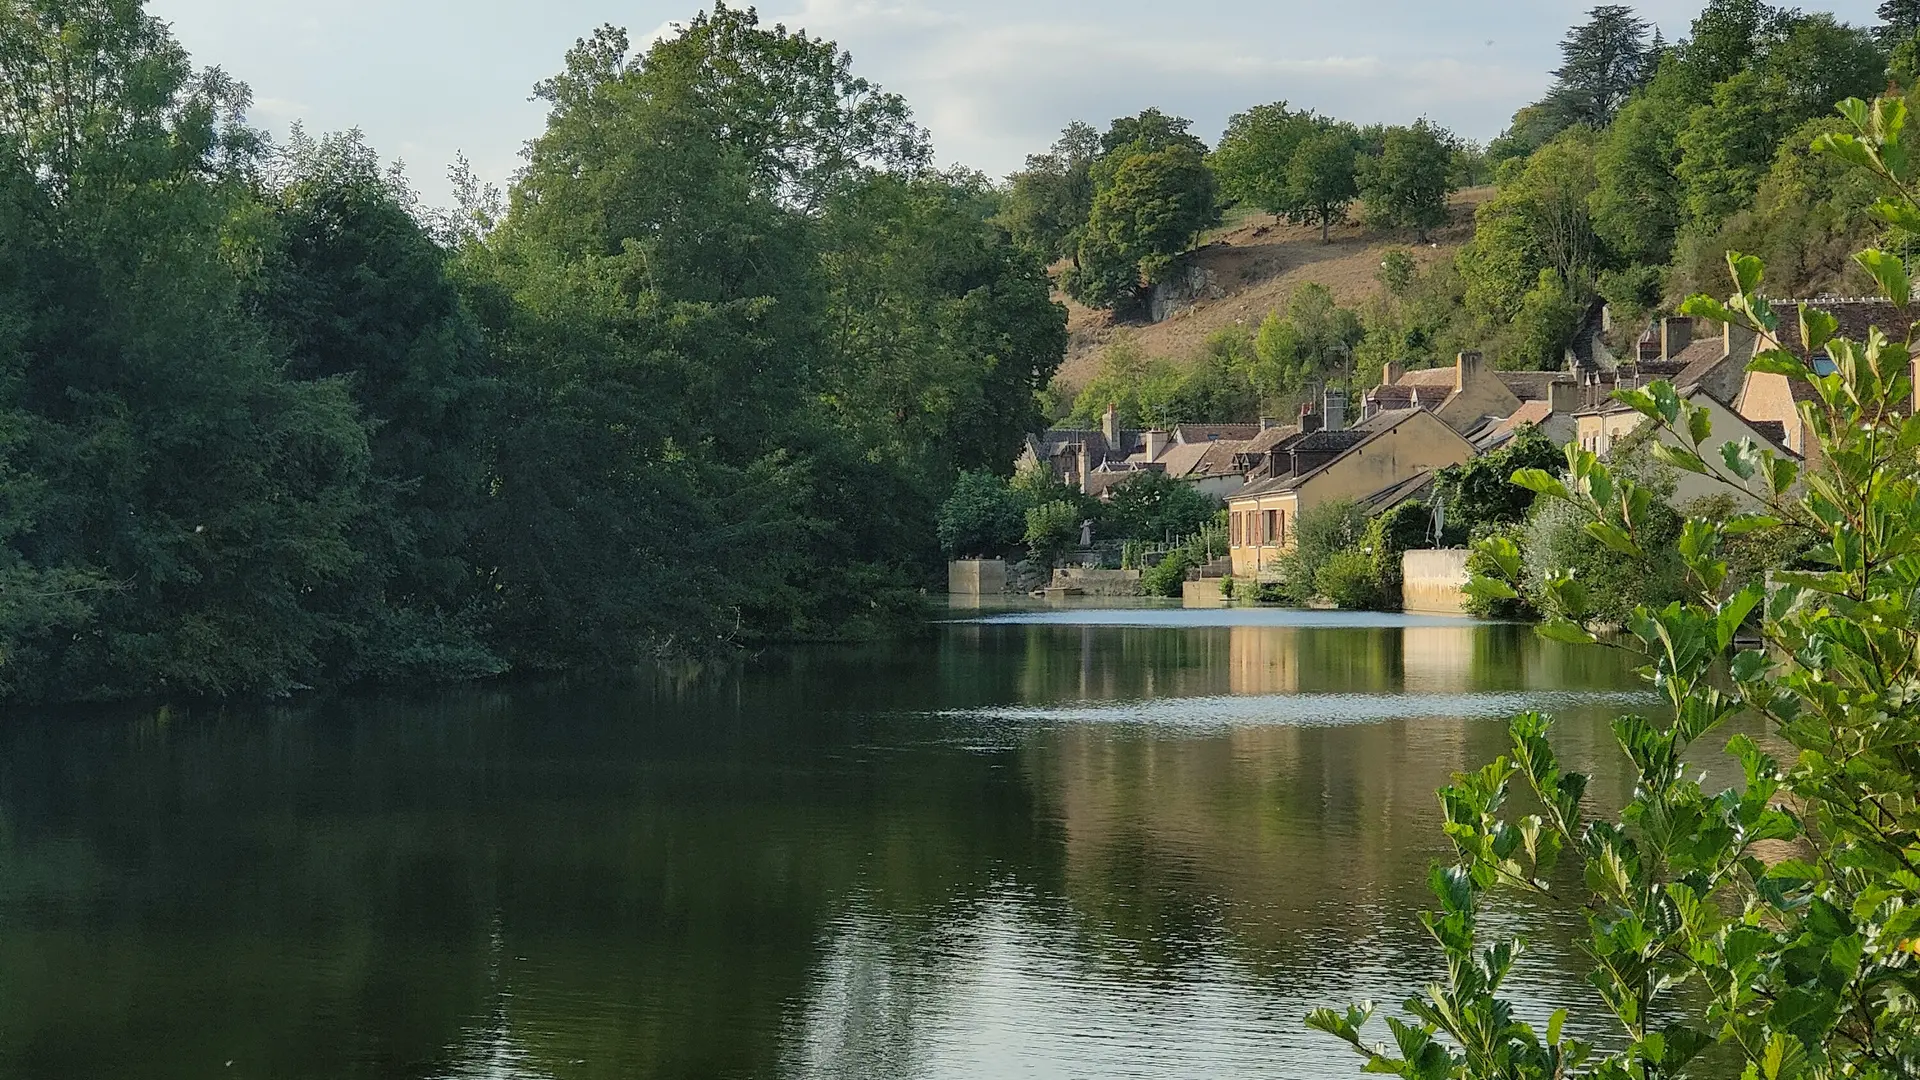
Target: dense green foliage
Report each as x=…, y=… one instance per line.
x=704, y=379
x=1150, y=194
x=1779, y=918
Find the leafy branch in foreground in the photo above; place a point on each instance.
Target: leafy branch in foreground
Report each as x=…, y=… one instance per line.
x=1777, y=918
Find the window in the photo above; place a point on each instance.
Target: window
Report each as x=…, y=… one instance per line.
x=1236, y=529
x=1282, y=516
x=1273, y=526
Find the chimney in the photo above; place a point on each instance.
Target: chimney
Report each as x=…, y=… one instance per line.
x=1335, y=410
x=1563, y=396
x=1391, y=373
x=1309, y=420
x=1675, y=336
x=1739, y=342
x=1157, y=443
x=1110, y=426
x=1465, y=369
x=1268, y=423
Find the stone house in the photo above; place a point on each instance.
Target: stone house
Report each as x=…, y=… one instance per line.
x=1384, y=460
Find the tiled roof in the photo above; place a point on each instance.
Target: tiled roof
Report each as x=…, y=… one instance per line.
x=1391, y=397
x=1183, y=458
x=1379, y=502
x=1774, y=431
x=1438, y=376
x=1533, y=385
x=1384, y=419
x=1203, y=433
x=1219, y=459
x=1342, y=440
x=1269, y=439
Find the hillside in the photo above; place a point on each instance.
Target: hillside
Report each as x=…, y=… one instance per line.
x=1258, y=263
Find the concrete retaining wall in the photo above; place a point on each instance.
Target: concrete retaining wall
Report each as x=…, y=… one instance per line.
x=977, y=577
x=1097, y=582
x=1434, y=582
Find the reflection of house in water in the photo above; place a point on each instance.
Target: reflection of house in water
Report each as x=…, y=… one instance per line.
x=1265, y=660
x=1439, y=659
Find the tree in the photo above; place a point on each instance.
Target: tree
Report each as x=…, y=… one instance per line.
x=1899, y=23
x=1153, y=506
x=983, y=516
x=1407, y=184
x=1052, y=529
x=1726, y=147
x=1322, y=178
x=1637, y=201
x=1155, y=204
x=1047, y=203
x=1540, y=220
x=1726, y=38
x=1602, y=63
x=1255, y=152
x=1818, y=61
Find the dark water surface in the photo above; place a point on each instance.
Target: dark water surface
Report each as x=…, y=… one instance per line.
x=1075, y=844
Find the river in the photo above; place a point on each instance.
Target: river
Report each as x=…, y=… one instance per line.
x=1067, y=843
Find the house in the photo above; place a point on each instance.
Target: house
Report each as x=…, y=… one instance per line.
x=1714, y=373
x=1207, y=456
x=1769, y=398
x=1470, y=393
x=1378, y=463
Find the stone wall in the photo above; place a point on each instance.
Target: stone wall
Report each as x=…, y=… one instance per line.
x=977, y=577
x=1434, y=582
x=1098, y=582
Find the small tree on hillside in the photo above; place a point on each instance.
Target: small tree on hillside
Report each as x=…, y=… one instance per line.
x=1407, y=184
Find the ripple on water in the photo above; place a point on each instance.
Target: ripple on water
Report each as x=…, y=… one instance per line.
x=1299, y=710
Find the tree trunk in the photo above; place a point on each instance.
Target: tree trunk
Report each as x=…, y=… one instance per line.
x=1326, y=227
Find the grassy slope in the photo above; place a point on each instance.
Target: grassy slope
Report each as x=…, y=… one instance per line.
x=1259, y=261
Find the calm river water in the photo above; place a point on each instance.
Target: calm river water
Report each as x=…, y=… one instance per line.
x=1059, y=844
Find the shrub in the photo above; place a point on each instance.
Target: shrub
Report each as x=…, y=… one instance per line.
x=1155, y=507
x=1168, y=578
x=1318, y=533
x=1052, y=528
x=1349, y=579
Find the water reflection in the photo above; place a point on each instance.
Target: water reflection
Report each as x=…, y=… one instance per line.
x=1031, y=849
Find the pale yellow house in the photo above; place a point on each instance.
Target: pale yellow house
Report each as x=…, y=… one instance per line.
x=1390, y=450
x=1602, y=430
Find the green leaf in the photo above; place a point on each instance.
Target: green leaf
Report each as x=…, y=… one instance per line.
x=1779, y=362
x=1890, y=271
x=1541, y=482
x=1566, y=630
x=1679, y=458
x=1748, y=271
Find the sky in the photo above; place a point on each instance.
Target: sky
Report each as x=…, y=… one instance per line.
x=992, y=80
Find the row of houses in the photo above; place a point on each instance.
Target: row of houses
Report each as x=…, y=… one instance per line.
x=1415, y=423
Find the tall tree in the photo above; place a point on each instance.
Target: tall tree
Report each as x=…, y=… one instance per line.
x=1602, y=62
x=1899, y=22
x=1727, y=147
x=1323, y=178
x=1407, y=183
x=1254, y=153
x=1637, y=206
x=1151, y=210
x=1047, y=202
x=1727, y=36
